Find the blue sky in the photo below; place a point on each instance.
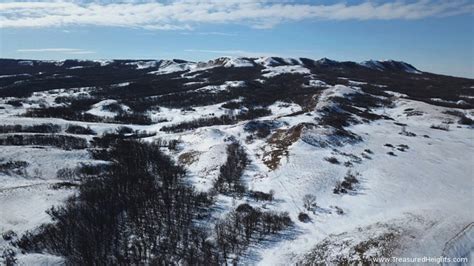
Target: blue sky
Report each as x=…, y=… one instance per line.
x=435, y=36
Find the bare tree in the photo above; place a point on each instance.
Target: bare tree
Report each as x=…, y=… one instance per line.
x=309, y=202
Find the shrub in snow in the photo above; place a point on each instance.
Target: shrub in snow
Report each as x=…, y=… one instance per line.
x=332, y=160
x=15, y=103
x=444, y=127
x=339, y=210
x=259, y=195
x=309, y=202
x=404, y=132
x=9, y=257
x=303, y=217
x=9, y=235
x=403, y=147
x=368, y=151
x=464, y=120
x=76, y=129
x=346, y=185
x=244, y=207
x=16, y=167
x=66, y=173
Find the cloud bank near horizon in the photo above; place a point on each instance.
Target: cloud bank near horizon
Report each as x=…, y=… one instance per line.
x=188, y=14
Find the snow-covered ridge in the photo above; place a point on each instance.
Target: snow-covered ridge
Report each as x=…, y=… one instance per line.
x=390, y=65
x=166, y=66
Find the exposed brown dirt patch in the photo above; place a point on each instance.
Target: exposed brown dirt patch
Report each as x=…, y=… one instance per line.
x=279, y=142
x=188, y=157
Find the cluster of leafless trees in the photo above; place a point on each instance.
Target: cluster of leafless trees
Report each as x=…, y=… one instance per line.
x=229, y=180
x=138, y=211
x=246, y=224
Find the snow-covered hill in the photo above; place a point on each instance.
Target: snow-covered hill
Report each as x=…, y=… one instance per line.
x=369, y=160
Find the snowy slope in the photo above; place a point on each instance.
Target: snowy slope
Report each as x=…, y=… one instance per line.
x=413, y=158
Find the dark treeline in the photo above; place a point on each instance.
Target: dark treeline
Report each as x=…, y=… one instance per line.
x=137, y=212
x=101, y=145
x=60, y=141
x=75, y=115
x=41, y=128
x=76, y=109
x=222, y=120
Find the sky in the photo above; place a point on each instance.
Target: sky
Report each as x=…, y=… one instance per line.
x=433, y=35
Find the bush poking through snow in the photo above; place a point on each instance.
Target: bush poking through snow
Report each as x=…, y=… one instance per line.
x=403, y=147
x=262, y=196
x=66, y=174
x=15, y=167
x=304, y=217
x=339, y=211
x=309, y=202
x=15, y=103
x=346, y=185
x=63, y=185
x=9, y=235
x=463, y=119
x=332, y=160
x=404, y=132
x=369, y=151
x=348, y=164
x=76, y=129
x=444, y=127
x=9, y=257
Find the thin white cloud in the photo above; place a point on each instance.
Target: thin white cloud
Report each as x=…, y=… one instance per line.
x=56, y=50
x=185, y=14
x=207, y=33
